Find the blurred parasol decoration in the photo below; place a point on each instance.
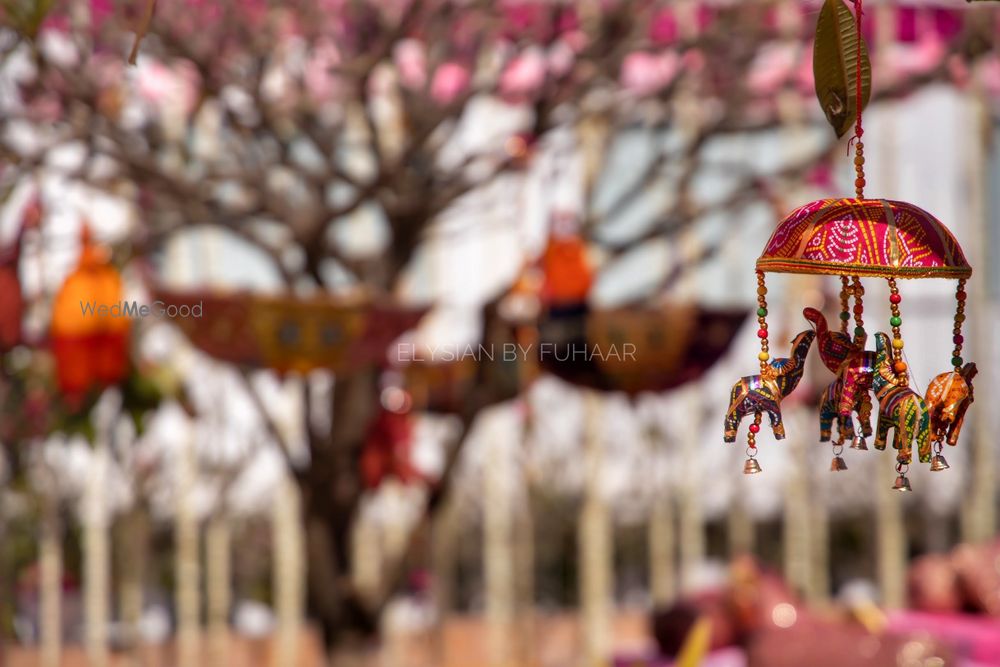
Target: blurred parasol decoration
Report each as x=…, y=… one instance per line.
x=856, y=238
x=630, y=350
x=287, y=333
x=89, y=330
x=619, y=349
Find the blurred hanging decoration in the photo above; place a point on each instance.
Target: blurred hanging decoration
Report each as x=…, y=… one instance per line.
x=12, y=303
x=89, y=331
x=856, y=238
x=288, y=333
x=619, y=349
x=387, y=450
x=567, y=276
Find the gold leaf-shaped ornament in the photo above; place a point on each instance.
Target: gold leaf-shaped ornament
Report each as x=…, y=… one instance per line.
x=835, y=65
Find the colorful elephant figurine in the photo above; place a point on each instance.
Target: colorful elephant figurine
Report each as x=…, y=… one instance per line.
x=899, y=407
x=763, y=393
x=948, y=397
x=833, y=346
x=830, y=410
x=849, y=392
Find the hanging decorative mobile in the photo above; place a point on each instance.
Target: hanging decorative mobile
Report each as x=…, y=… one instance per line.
x=854, y=239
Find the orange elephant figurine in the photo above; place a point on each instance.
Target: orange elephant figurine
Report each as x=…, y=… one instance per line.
x=948, y=397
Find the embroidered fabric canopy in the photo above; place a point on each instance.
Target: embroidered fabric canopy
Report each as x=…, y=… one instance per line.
x=867, y=237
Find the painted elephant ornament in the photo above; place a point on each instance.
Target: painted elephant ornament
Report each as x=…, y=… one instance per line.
x=899, y=408
x=948, y=398
x=762, y=394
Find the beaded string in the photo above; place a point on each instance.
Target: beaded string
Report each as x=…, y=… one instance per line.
x=865, y=409
x=859, y=147
x=958, y=339
x=763, y=357
x=895, y=321
x=859, y=310
x=956, y=354
x=845, y=295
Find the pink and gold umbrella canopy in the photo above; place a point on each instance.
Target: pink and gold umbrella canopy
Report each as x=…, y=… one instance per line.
x=867, y=237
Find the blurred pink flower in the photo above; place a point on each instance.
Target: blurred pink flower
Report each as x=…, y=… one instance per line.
x=663, y=28
x=821, y=175
x=989, y=74
x=958, y=70
x=411, y=63
x=646, y=73
x=561, y=58
x=693, y=61
x=450, y=81
x=522, y=16
x=524, y=75
x=804, y=73
x=321, y=84
x=160, y=85
x=773, y=66
x=903, y=61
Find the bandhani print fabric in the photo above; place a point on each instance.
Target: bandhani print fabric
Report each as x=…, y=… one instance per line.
x=870, y=237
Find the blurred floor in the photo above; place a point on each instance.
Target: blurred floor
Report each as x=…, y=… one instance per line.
x=465, y=642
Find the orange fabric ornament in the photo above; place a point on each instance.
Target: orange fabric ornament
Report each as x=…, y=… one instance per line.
x=89, y=330
x=568, y=275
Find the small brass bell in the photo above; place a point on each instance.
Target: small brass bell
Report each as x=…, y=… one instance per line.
x=938, y=463
x=838, y=464
x=751, y=467
x=902, y=484
x=859, y=443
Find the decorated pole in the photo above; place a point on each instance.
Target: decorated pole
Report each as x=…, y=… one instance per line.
x=498, y=552
x=218, y=577
x=691, y=526
x=188, y=573
x=367, y=558
x=797, y=536
x=594, y=543
x=979, y=518
x=132, y=547
x=288, y=543
x=445, y=533
x=662, y=540
x=50, y=574
x=96, y=544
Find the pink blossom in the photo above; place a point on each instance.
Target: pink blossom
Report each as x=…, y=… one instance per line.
x=450, y=81
x=958, y=70
x=663, y=28
x=161, y=85
x=561, y=58
x=804, y=73
x=773, y=65
x=693, y=61
x=989, y=74
x=524, y=75
x=646, y=73
x=411, y=63
x=321, y=84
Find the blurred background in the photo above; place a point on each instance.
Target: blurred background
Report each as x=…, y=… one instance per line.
x=401, y=333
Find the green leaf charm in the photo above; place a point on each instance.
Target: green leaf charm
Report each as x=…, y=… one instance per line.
x=835, y=65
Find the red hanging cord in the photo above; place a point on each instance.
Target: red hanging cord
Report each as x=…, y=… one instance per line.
x=859, y=147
